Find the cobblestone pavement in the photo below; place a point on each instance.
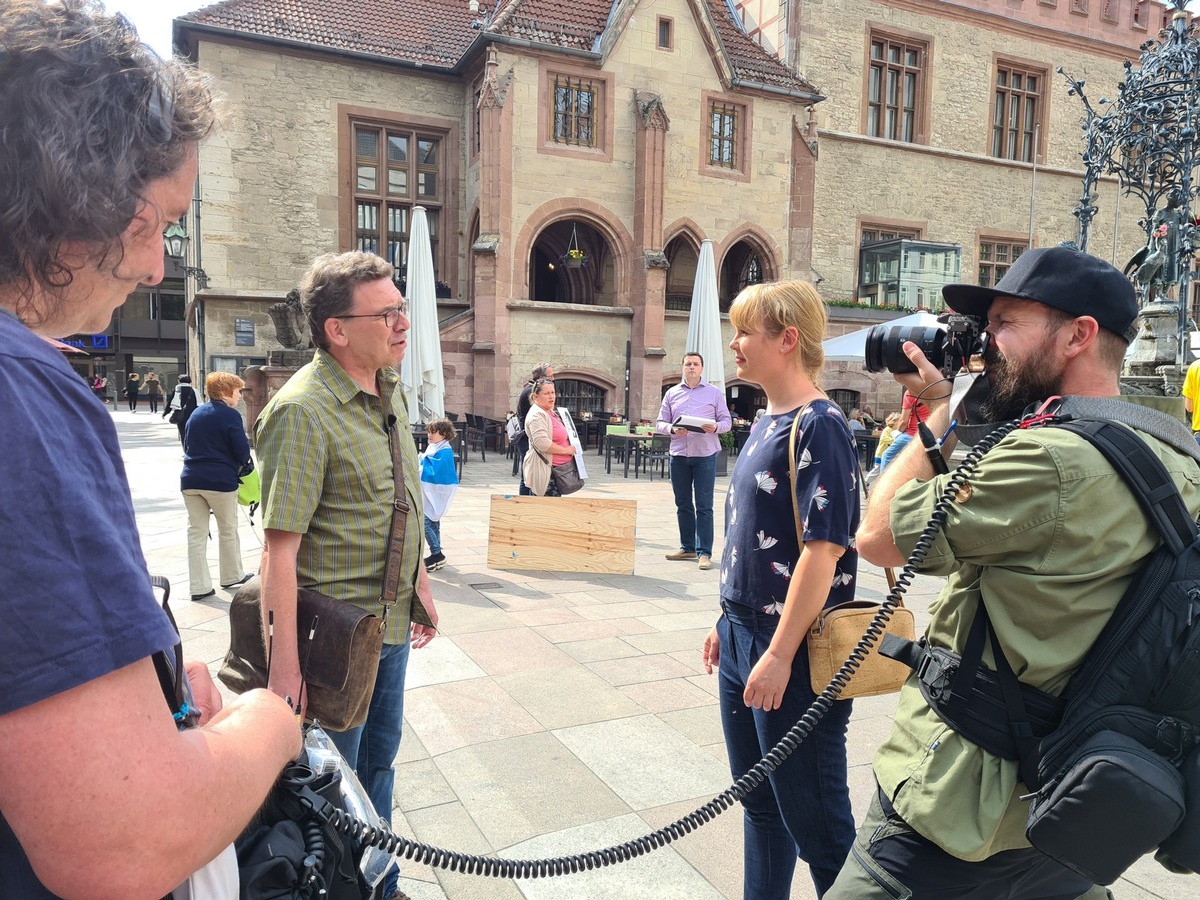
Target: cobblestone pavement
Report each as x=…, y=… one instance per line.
x=555, y=713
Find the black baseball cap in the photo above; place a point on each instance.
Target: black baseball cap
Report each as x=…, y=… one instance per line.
x=1061, y=277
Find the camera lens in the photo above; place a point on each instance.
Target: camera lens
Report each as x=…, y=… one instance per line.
x=884, y=347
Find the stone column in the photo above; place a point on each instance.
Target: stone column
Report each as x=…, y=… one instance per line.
x=493, y=249
x=800, y=217
x=649, y=281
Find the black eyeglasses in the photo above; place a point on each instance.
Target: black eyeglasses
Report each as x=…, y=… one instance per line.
x=390, y=316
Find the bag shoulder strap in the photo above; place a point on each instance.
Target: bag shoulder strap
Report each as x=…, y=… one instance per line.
x=1152, y=421
x=1146, y=476
x=400, y=511
x=887, y=571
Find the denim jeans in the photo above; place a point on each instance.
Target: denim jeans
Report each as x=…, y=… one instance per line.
x=901, y=441
x=694, y=474
x=805, y=810
x=433, y=535
x=371, y=748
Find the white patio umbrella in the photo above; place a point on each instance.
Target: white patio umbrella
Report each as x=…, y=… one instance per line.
x=421, y=371
x=704, y=323
x=852, y=347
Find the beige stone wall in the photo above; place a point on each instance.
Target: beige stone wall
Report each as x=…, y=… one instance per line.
x=219, y=335
x=951, y=186
x=576, y=342
x=270, y=177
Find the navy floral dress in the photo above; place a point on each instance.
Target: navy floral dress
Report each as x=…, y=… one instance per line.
x=760, y=530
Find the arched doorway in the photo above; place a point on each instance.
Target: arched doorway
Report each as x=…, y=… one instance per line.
x=744, y=264
x=571, y=262
x=682, y=258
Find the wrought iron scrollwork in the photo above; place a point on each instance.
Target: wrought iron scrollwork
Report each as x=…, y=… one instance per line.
x=1149, y=138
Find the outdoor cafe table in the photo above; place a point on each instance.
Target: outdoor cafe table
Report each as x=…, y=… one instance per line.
x=630, y=442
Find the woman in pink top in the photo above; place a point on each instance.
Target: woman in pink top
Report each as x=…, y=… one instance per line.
x=549, y=442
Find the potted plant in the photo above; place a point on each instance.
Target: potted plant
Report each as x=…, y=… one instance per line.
x=573, y=258
x=727, y=444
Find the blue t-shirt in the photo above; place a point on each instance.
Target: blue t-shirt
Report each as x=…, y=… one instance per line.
x=75, y=596
x=214, y=448
x=761, y=548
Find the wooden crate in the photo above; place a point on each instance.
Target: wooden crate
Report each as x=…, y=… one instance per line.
x=561, y=534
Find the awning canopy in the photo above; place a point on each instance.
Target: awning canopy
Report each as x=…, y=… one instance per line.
x=63, y=346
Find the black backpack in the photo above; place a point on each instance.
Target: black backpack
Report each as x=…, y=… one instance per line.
x=1120, y=774
x=1114, y=762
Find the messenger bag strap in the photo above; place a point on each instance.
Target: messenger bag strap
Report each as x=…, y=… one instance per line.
x=400, y=511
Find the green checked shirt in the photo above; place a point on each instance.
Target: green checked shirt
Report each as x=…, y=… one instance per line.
x=327, y=474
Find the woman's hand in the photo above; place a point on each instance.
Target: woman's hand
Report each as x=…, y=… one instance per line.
x=711, y=655
x=767, y=682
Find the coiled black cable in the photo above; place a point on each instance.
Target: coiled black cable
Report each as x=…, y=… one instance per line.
x=496, y=867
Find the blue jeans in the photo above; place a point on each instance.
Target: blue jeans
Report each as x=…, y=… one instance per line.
x=371, y=748
x=694, y=474
x=805, y=810
x=901, y=441
x=433, y=535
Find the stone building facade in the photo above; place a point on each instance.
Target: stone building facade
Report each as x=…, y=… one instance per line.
x=534, y=136
x=630, y=131
x=985, y=151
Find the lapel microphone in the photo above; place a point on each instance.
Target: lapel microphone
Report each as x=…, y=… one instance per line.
x=389, y=424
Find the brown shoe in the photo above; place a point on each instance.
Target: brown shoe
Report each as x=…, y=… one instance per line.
x=681, y=554
x=705, y=562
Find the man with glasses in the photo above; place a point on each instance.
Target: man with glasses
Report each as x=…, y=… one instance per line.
x=328, y=492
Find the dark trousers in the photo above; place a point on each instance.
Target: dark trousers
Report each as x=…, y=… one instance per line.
x=694, y=476
x=890, y=861
x=804, y=810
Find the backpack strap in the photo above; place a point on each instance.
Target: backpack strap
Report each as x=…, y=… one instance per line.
x=1146, y=477
x=1153, y=422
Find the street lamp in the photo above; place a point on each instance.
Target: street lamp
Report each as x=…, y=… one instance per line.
x=175, y=240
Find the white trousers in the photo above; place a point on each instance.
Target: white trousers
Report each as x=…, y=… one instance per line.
x=224, y=507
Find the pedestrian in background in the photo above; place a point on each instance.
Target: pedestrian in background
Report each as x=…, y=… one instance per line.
x=524, y=401
x=694, y=456
x=132, y=385
x=154, y=391
x=439, y=484
x=215, y=449
x=182, y=404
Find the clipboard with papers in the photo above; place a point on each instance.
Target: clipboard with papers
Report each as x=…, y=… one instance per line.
x=692, y=423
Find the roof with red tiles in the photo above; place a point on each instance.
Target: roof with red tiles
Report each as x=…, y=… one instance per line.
x=750, y=62
x=432, y=32
x=439, y=33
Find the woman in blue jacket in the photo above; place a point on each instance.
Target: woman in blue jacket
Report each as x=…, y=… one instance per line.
x=214, y=450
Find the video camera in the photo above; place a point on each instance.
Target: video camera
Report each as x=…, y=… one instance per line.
x=949, y=346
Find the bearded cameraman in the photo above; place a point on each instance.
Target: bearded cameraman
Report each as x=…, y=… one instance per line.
x=1046, y=532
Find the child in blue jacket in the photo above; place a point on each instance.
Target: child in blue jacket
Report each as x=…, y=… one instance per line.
x=439, y=482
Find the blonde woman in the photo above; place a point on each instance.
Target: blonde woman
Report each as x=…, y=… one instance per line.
x=214, y=450
x=549, y=441
x=773, y=586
